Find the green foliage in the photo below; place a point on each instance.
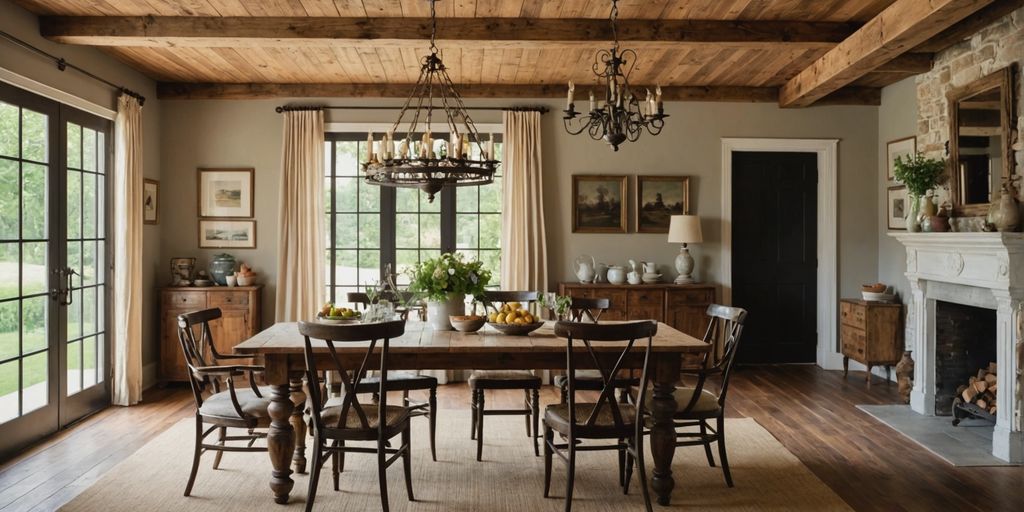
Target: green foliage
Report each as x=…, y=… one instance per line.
x=918, y=173
x=438, y=278
x=560, y=306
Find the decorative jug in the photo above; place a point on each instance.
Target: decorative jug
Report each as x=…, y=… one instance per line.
x=600, y=273
x=616, y=274
x=650, y=267
x=1008, y=217
x=584, y=267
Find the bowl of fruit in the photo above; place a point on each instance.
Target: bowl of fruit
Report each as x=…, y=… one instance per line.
x=467, y=323
x=513, y=320
x=329, y=314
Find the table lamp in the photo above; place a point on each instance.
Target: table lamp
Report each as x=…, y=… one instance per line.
x=684, y=229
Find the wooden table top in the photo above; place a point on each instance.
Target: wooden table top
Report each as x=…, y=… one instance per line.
x=419, y=337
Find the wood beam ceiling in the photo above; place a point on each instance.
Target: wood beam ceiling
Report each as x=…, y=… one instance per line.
x=900, y=27
x=210, y=32
x=195, y=91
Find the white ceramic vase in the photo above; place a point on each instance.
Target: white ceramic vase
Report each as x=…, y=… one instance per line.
x=438, y=312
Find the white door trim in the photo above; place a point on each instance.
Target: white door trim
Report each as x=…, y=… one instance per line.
x=828, y=357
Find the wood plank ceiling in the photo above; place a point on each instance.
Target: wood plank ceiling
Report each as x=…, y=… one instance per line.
x=731, y=49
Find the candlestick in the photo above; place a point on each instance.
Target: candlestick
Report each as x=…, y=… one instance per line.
x=369, y=146
x=591, y=100
x=657, y=97
x=490, y=144
x=403, y=149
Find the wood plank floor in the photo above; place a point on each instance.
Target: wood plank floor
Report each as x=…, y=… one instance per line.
x=811, y=411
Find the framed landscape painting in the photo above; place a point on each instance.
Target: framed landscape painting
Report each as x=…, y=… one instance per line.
x=150, y=201
x=226, y=193
x=658, y=198
x=220, y=234
x=896, y=208
x=598, y=203
x=903, y=148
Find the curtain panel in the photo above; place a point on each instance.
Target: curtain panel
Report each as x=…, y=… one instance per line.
x=300, y=259
x=127, y=349
x=523, y=241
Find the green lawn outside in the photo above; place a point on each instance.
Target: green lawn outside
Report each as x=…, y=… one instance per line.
x=35, y=366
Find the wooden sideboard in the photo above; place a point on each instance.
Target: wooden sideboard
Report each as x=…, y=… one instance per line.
x=680, y=305
x=871, y=333
x=239, y=305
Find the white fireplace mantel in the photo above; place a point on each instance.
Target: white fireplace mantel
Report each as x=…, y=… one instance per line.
x=975, y=269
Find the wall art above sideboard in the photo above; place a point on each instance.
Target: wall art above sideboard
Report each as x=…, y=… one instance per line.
x=599, y=202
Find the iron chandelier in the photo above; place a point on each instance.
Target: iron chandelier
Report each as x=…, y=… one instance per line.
x=415, y=163
x=621, y=116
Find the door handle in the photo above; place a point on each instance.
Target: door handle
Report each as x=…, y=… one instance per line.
x=69, y=273
x=62, y=293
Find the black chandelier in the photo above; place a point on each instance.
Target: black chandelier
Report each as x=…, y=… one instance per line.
x=415, y=163
x=621, y=116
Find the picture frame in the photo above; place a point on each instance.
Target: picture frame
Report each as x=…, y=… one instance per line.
x=227, y=234
x=150, y=201
x=598, y=203
x=658, y=198
x=226, y=193
x=896, y=208
x=181, y=270
x=907, y=146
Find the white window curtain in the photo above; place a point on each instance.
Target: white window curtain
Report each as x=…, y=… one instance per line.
x=127, y=342
x=523, y=241
x=300, y=260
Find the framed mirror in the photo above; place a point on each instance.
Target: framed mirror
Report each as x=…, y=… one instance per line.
x=981, y=118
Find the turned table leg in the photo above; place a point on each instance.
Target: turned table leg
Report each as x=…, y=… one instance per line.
x=663, y=432
x=298, y=419
x=280, y=441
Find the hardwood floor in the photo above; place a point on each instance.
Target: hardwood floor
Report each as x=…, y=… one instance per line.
x=811, y=411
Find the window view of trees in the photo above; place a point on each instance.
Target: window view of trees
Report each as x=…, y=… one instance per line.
x=369, y=227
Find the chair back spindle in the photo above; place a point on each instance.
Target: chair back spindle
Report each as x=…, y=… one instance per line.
x=587, y=308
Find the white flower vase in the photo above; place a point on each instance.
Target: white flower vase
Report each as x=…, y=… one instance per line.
x=913, y=213
x=438, y=312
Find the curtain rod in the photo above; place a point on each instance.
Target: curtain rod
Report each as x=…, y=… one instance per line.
x=542, y=110
x=64, y=65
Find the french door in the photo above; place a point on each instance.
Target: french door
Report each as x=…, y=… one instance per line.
x=54, y=269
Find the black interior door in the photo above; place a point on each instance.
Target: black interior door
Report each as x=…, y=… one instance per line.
x=774, y=254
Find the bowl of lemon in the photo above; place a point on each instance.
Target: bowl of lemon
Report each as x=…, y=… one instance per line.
x=329, y=314
x=513, y=320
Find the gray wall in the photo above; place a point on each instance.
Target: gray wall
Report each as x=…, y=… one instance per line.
x=248, y=133
x=24, y=25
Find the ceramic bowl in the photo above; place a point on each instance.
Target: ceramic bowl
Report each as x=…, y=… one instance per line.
x=203, y=282
x=467, y=323
x=246, y=280
x=516, y=329
x=878, y=297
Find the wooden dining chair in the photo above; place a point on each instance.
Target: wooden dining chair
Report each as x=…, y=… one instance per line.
x=697, y=405
x=482, y=380
x=342, y=419
x=605, y=419
x=219, y=402
x=588, y=309
x=404, y=381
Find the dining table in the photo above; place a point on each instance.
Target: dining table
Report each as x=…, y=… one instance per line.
x=423, y=348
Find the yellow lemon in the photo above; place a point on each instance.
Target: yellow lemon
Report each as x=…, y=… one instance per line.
x=528, y=318
x=493, y=317
x=519, y=321
x=499, y=318
x=514, y=305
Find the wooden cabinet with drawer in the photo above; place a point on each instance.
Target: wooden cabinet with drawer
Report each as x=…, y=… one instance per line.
x=680, y=305
x=870, y=333
x=240, y=320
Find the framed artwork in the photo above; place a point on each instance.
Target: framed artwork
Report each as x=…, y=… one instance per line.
x=226, y=193
x=219, y=234
x=896, y=207
x=657, y=199
x=150, y=201
x=904, y=148
x=598, y=203
x=181, y=271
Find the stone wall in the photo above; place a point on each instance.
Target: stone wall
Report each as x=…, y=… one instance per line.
x=999, y=45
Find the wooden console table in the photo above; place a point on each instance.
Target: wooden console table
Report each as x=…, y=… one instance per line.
x=680, y=305
x=871, y=333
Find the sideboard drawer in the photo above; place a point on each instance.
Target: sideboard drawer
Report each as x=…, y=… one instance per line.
x=185, y=300
x=853, y=315
x=646, y=297
x=229, y=299
x=686, y=297
x=854, y=341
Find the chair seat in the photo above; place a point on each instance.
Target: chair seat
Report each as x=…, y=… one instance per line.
x=398, y=381
x=219, y=405
x=707, y=403
x=557, y=417
x=504, y=379
x=591, y=380
x=395, y=416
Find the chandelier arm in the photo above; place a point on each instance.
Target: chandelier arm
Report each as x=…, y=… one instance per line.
x=474, y=134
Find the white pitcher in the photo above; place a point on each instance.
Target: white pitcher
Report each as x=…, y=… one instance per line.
x=584, y=266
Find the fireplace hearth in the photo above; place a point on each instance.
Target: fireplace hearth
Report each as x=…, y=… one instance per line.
x=965, y=340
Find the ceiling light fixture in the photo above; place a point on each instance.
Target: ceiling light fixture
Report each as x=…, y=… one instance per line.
x=621, y=116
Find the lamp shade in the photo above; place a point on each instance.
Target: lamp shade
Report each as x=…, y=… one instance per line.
x=684, y=229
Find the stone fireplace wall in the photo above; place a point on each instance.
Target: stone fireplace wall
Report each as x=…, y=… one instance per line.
x=994, y=47
x=965, y=340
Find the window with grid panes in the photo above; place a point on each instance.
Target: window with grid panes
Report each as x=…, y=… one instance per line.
x=369, y=227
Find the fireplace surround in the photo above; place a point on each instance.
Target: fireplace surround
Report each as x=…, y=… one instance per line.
x=984, y=270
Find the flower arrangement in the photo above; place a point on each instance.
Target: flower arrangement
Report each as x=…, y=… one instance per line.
x=558, y=304
x=918, y=173
x=448, y=274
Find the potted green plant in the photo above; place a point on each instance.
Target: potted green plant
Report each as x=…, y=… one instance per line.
x=920, y=174
x=445, y=281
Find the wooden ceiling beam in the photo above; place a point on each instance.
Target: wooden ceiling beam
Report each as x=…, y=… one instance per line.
x=225, y=91
x=166, y=31
x=903, y=25
x=970, y=25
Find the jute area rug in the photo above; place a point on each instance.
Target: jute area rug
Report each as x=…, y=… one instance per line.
x=767, y=477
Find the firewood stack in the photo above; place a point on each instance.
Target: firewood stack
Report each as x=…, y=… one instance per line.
x=981, y=390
